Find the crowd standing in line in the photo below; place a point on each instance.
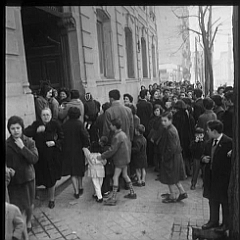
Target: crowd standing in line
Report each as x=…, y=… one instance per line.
x=170, y=127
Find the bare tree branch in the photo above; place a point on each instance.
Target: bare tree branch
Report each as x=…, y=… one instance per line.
x=180, y=46
x=189, y=29
x=214, y=35
x=216, y=21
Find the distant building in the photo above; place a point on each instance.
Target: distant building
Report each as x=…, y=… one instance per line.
x=173, y=41
x=91, y=48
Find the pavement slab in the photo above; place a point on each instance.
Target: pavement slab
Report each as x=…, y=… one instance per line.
x=144, y=218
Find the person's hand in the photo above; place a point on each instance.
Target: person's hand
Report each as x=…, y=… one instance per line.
x=11, y=172
x=206, y=159
x=19, y=143
x=50, y=143
x=229, y=154
x=41, y=129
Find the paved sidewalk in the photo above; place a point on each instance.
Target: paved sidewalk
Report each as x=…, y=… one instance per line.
x=144, y=218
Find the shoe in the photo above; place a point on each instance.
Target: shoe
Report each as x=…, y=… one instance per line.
x=76, y=195
x=221, y=229
x=94, y=196
x=80, y=191
x=110, y=202
x=118, y=189
x=182, y=196
x=169, y=200
x=192, y=187
x=143, y=184
x=210, y=225
x=99, y=200
x=165, y=195
x=131, y=196
x=106, y=194
x=137, y=184
x=51, y=204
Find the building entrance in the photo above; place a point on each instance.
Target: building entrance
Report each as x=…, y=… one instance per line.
x=43, y=48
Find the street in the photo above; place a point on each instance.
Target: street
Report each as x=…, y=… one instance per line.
x=144, y=218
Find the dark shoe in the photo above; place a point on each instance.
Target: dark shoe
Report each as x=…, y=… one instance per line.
x=110, y=202
x=192, y=187
x=106, y=194
x=118, y=189
x=131, y=196
x=94, y=196
x=80, y=191
x=76, y=195
x=182, y=196
x=165, y=195
x=99, y=200
x=51, y=204
x=169, y=200
x=210, y=225
x=221, y=229
x=137, y=184
x=143, y=184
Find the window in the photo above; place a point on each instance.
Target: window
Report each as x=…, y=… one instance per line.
x=144, y=58
x=104, y=44
x=154, y=60
x=129, y=52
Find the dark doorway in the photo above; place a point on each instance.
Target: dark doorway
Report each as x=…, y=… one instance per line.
x=43, y=48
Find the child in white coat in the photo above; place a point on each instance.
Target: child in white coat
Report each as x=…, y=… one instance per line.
x=96, y=172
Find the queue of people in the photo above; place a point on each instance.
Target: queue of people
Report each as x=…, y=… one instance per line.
x=170, y=128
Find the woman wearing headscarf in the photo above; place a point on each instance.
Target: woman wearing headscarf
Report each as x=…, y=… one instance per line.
x=21, y=154
x=48, y=136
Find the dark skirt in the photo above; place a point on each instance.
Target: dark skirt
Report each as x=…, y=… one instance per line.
x=22, y=195
x=139, y=162
x=73, y=167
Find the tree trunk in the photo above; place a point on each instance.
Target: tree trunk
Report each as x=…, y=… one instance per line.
x=233, y=191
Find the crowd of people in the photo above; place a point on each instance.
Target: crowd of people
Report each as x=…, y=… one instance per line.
x=173, y=129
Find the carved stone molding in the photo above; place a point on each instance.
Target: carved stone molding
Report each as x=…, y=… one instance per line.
x=68, y=23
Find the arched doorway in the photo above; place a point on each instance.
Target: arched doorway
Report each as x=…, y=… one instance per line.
x=43, y=48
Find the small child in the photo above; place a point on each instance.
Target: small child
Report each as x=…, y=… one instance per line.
x=96, y=172
x=139, y=156
x=109, y=168
x=120, y=153
x=197, y=148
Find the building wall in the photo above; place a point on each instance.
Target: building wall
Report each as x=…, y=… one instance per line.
x=19, y=100
x=120, y=16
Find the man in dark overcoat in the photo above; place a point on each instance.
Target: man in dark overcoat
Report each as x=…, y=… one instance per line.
x=217, y=174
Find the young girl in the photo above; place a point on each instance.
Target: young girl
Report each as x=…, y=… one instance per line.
x=96, y=172
x=139, y=156
x=172, y=169
x=120, y=153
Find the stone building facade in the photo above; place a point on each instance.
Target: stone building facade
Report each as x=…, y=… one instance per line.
x=89, y=48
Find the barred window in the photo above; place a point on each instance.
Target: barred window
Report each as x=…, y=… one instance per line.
x=129, y=52
x=144, y=58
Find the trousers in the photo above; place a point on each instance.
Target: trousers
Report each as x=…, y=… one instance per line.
x=97, y=183
x=196, y=168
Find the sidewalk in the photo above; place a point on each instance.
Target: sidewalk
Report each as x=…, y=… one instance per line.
x=144, y=218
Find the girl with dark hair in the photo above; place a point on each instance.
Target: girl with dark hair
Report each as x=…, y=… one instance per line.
x=21, y=154
x=75, y=138
x=127, y=99
x=155, y=98
x=44, y=100
x=63, y=95
x=48, y=136
x=172, y=168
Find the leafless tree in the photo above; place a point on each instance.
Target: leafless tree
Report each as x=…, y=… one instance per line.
x=208, y=33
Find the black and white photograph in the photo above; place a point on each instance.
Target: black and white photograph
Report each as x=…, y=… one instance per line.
x=121, y=122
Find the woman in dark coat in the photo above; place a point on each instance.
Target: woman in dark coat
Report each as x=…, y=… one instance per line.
x=184, y=123
x=48, y=136
x=172, y=168
x=21, y=154
x=75, y=138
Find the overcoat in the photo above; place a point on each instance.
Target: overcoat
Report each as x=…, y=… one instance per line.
x=75, y=138
x=49, y=167
x=171, y=167
x=216, y=181
x=21, y=187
